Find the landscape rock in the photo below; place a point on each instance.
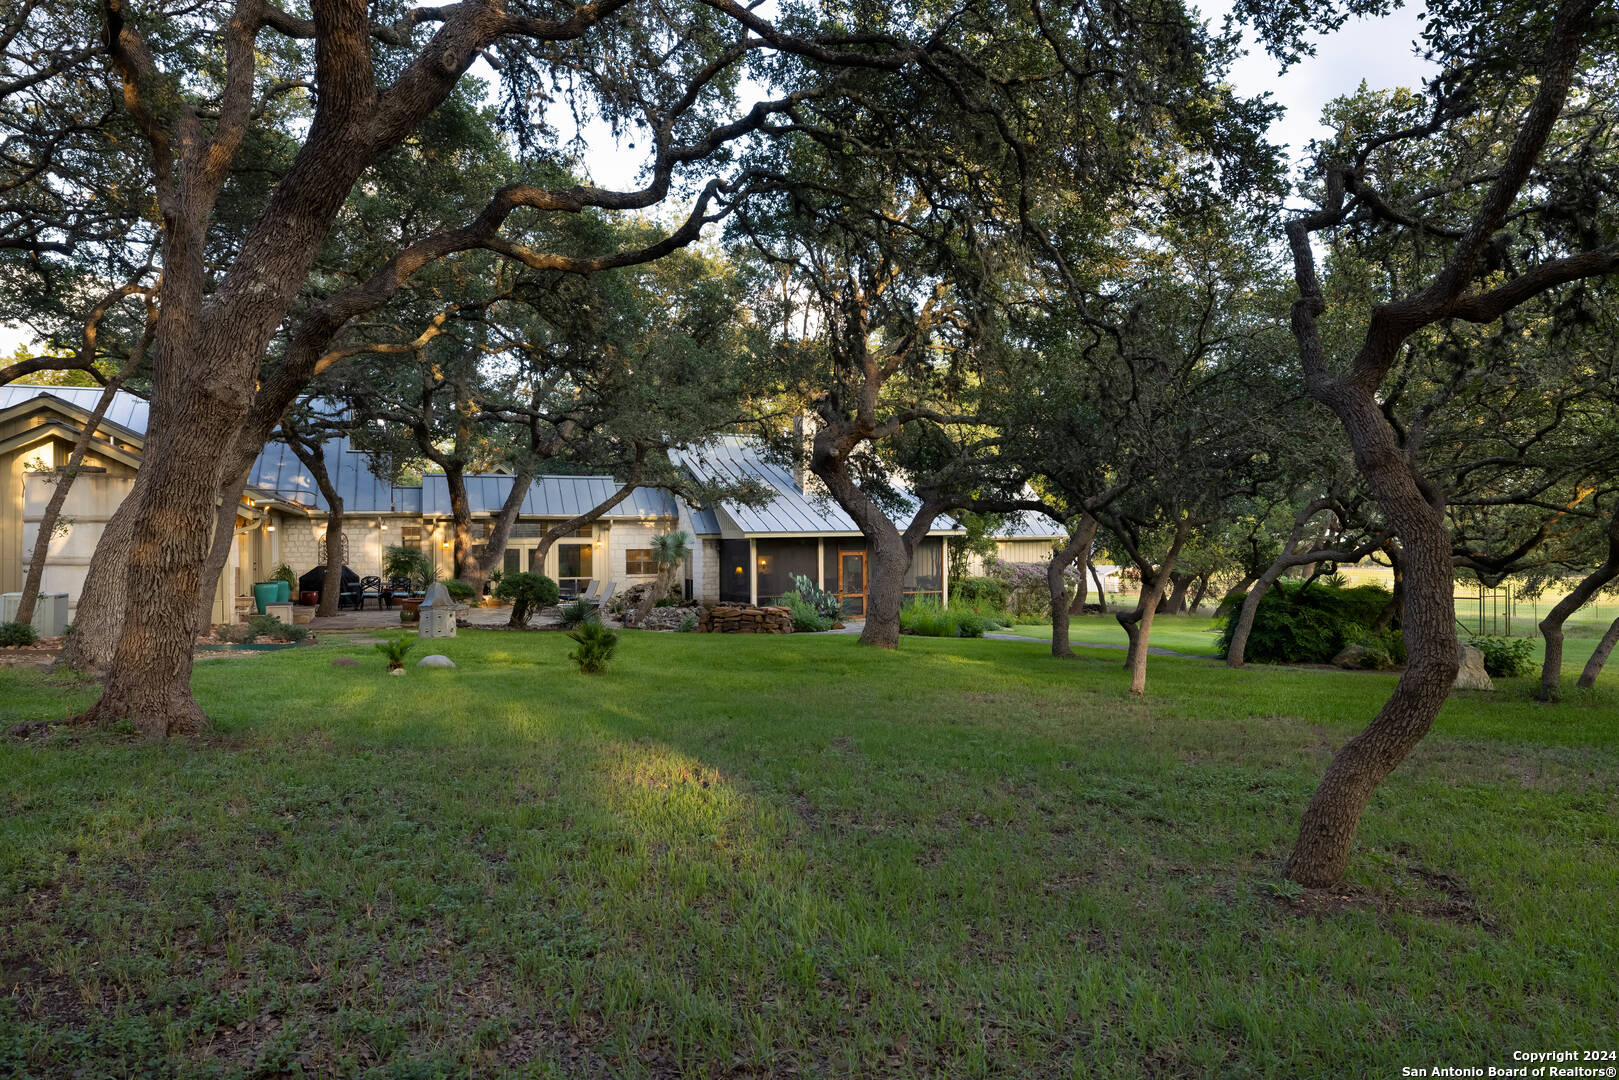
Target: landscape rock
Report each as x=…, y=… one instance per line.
x=345, y=661
x=1470, y=673
x=734, y=619
x=667, y=618
x=1353, y=656
x=435, y=660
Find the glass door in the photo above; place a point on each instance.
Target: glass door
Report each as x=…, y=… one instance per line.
x=574, y=568
x=852, y=581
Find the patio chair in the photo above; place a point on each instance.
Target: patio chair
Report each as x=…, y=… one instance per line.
x=370, y=589
x=396, y=587
x=351, y=594
x=600, y=603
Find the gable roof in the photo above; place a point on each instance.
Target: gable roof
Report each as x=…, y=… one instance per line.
x=793, y=512
x=548, y=496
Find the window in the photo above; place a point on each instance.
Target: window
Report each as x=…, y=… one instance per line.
x=514, y=560
x=574, y=560
x=411, y=537
x=587, y=531
x=640, y=561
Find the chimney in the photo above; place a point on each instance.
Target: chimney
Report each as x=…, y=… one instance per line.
x=802, y=439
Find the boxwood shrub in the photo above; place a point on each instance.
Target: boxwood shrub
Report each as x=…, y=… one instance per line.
x=1310, y=624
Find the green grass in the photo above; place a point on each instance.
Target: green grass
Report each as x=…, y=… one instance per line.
x=1199, y=635
x=790, y=856
x=1196, y=635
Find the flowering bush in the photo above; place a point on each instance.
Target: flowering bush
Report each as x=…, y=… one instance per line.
x=1027, y=591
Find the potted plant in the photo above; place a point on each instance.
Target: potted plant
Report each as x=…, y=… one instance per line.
x=285, y=579
x=401, y=563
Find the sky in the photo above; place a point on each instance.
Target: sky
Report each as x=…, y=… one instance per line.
x=1379, y=50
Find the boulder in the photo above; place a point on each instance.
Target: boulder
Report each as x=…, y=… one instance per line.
x=345, y=661
x=1470, y=673
x=1353, y=656
x=435, y=660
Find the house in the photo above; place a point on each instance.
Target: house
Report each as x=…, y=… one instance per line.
x=748, y=555
x=741, y=553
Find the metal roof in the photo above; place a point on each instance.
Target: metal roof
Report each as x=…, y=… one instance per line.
x=548, y=496
x=126, y=411
x=1028, y=525
x=278, y=470
x=793, y=511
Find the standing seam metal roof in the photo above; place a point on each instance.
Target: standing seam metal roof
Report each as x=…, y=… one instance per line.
x=736, y=458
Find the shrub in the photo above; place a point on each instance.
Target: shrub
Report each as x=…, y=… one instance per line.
x=596, y=645
x=395, y=650
x=417, y=567
x=1310, y=624
x=927, y=618
x=988, y=591
x=825, y=603
x=578, y=612
x=688, y=623
x=273, y=628
x=284, y=573
x=1384, y=648
x=1506, y=658
x=527, y=594
x=1028, y=593
x=806, y=619
x=461, y=592
x=13, y=634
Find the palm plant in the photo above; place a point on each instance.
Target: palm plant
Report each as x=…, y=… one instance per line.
x=395, y=650
x=669, y=550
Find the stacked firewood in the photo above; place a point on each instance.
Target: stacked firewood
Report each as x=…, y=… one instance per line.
x=732, y=619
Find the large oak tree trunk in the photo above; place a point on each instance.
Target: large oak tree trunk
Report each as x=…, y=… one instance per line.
x=1182, y=586
x=1199, y=593
x=1593, y=666
x=1138, y=623
x=149, y=682
x=888, y=549
x=331, y=586
x=1237, y=651
x=1326, y=835
x=1551, y=627
x=1077, y=548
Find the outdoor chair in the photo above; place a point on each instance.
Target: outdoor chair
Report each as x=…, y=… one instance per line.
x=351, y=594
x=590, y=592
x=600, y=603
x=370, y=589
x=396, y=587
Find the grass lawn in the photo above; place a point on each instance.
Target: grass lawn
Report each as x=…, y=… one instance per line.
x=1199, y=635
x=793, y=857
x=1196, y=635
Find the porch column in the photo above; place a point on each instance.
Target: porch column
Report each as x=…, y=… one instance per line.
x=944, y=569
x=753, y=572
x=820, y=562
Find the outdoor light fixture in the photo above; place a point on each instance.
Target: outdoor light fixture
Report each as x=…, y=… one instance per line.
x=269, y=528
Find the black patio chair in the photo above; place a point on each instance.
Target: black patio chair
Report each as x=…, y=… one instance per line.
x=370, y=589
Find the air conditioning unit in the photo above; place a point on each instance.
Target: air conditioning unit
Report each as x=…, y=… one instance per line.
x=50, y=612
